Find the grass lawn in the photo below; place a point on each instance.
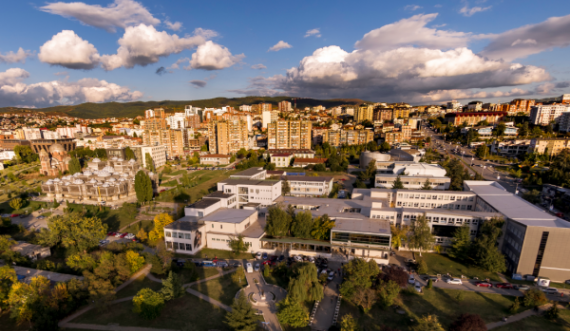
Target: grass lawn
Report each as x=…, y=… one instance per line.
x=176, y=315
x=222, y=289
x=535, y=323
x=138, y=284
x=440, y=302
x=206, y=181
x=179, y=172
x=220, y=254
x=8, y=323
x=442, y=264
x=170, y=183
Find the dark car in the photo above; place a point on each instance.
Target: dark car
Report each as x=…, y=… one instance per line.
x=504, y=285
x=264, y=256
x=281, y=258
x=428, y=277
x=273, y=258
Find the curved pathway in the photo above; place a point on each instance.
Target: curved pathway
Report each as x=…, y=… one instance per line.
x=521, y=316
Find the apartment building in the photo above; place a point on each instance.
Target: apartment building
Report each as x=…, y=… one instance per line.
x=364, y=112
x=307, y=186
x=564, y=123
x=510, y=148
x=158, y=154
x=546, y=114
x=549, y=146
x=454, y=106
x=154, y=125
x=261, y=107
x=177, y=121
x=401, y=111
x=32, y=133
x=475, y=106
x=215, y=159
x=227, y=137
x=521, y=106
x=69, y=132
x=177, y=142
x=284, y=134
x=348, y=137
x=285, y=106
x=394, y=137
x=473, y=118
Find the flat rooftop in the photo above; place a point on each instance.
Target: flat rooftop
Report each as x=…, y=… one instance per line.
x=256, y=182
x=513, y=206
x=224, y=215
x=248, y=172
x=204, y=203
x=186, y=223
x=368, y=225
x=57, y=277
x=218, y=194
x=308, y=178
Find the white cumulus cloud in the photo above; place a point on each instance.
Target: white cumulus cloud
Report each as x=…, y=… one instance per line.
x=530, y=39
x=313, y=32
x=414, y=32
x=19, y=56
x=68, y=50
x=279, y=46
x=173, y=26
x=258, y=66
x=466, y=11
x=119, y=14
x=143, y=45
x=13, y=91
x=211, y=56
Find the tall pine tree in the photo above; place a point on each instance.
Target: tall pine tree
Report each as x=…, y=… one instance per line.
x=242, y=317
x=143, y=187
x=172, y=287
x=74, y=166
x=398, y=183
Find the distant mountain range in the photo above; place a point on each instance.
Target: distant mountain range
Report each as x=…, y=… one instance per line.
x=133, y=109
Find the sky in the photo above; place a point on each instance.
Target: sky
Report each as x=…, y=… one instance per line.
x=422, y=52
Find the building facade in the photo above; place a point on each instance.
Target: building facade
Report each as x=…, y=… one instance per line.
x=227, y=137
x=284, y=134
x=546, y=114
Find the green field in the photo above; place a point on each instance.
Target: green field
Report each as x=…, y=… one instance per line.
x=440, y=302
x=177, y=314
x=206, y=182
x=173, y=182
x=205, y=253
x=222, y=289
x=138, y=284
x=536, y=323
x=442, y=264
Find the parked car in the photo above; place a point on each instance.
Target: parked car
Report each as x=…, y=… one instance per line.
x=118, y=235
x=123, y=235
x=298, y=258
x=418, y=287
x=14, y=215
x=268, y=262
x=248, y=268
x=281, y=258
x=103, y=242
x=41, y=217
x=411, y=261
x=264, y=256
x=207, y=263
x=504, y=285
x=258, y=256
x=256, y=267
x=222, y=264
x=331, y=275
x=258, y=312
x=483, y=284
x=549, y=290
x=454, y=281
x=522, y=287
x=130, y=236
x=180, y=262
x=411, y=279
x=23, y=216
x=428, y=277
x=311, y=259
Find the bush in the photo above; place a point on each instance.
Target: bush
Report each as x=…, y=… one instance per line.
x=552, y=312
x=148, y=303
x=395, y=274
x=422, y=267
x=468, y=322
x=429, y=284
x=534, y=298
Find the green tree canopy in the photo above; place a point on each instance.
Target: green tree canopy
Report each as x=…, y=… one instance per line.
x=302, y=225
x=149, y=163
x=74, y=166
x=143, y=186
x=427, y=185
x=278, y=222
x=73, y=231
x=398, y=184
x=293, y=314
x=172, y=287
x=460, y=248
x=242, y=317
x=148, y=303
x=485, y=249
x=25, y=154
x=285, y=187
x=322, y=227
x=304, y=284
x=359, y=276
x=420, y=236
x=129, y=154
x=237, y=245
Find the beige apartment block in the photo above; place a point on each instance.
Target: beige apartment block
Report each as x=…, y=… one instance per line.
x=227, y=137
x=549, y=146
x=364, y=113
x=348, y=137
x=283, y=134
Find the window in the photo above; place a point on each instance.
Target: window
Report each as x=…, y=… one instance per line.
x=469, y=207
x=187, y=236
x=175, y=245
x=188, y=247
x=168, y=234
x=182, y=247
x=457, y=206
x=473, y=232
x=212, y=226
x=169, y=244
x=174, y=235
x=221, y=226
x=180, y=235
x=467, y=221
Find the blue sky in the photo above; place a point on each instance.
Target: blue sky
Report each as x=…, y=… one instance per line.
x=421, y=52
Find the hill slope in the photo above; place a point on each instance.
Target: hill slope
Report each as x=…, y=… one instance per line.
x=132, y=109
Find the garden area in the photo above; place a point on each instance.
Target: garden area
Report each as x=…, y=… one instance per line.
x=206, y=253
x=223, y=289
x=202, y=183
x=442, y=264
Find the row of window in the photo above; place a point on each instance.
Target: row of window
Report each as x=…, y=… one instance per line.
x=513, y=243
x=519, y=234
x=180, y=235
x=409, y=183
x=435, y=196
x=434, y=205
x=444, y=220
x=385, y=217
x=178, y=246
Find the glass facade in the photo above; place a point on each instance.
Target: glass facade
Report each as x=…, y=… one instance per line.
x=360, y=238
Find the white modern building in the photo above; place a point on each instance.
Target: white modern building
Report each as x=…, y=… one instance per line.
x=309, y=186
x=32, y=133
x=546, y=114
x=177, y=121
x=413, y=176
x=46, y=134
x=158, y=154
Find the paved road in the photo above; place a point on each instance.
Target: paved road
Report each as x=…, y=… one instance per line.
x=325, y=312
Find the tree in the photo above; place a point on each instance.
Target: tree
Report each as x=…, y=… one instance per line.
x=359, y=276
x=22, y=297
x=428, y=323
x=304, y=284
x=160, y=221
x=398, y=183
x=427, y=185
x=348, y=323
x=399, y=235
x=142, y=235
x=73, y=231
x=292, y=314
x=429, y=284
x=485, y=249
x=468, y=322
x=319, y=167
x=482, y=151
x=74, y=166
x=385, y=147
x=395, y=274
x=270, y=166
x=55, y=204
x=204, y=148
x=515, y=306
x=148, y=303
x=422, y=267
x=242, y=317
x=420, y=234
x=7, y=278
x=285, y=188
x=461, y=243
x=278, y=222
x=237, y=277
x=16, y=203
x=134, y=260
x=172, y=287
x=129, y=154
x=534, y=298
x=143, y=187
x=500, y=130
x=149, y=163
x=302, y=225
x=322, y=228
x=81, y=261
x=237, y=245
x=552, y=312
x=25, y=154
x=388, y=292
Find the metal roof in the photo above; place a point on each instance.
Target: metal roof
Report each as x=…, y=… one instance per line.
x=224, y=215
x=204, y=203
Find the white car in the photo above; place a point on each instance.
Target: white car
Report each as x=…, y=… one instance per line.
x=331, y=275
x=248, y=268
x=311, y=259
x=411, y=280
x=455, y=281
x=549, y=290
x=256, y=267
x=130, y=236
x=118, y=235
x=298, y=258
x=418, y=287
x=258, y=256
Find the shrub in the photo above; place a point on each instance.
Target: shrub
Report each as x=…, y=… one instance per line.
x=148, y=303
x=534, y=298
x=468, y=322
x=429, y=284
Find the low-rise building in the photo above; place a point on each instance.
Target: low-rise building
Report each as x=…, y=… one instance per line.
x=215, y=159
x=281, y=160
x=301, y=163
x=414, y=176
x=549, y=146
x=297, y=153
x=309, y=186
x=510, y=148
